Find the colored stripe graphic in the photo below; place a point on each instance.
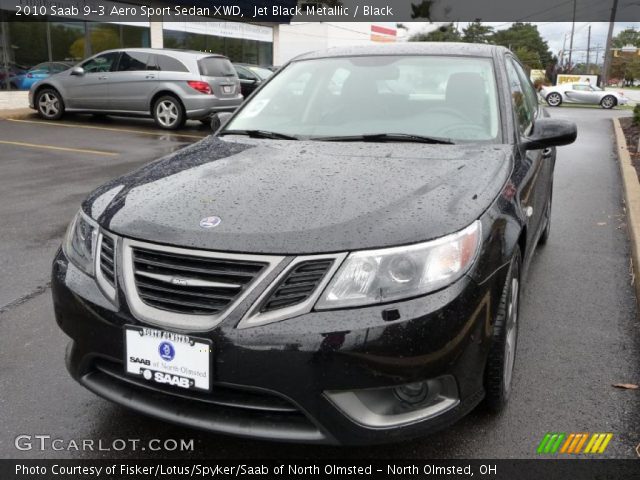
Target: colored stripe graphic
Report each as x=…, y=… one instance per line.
x=550, y=442
x=384, y=30
x=598, y=443
x=573, y=443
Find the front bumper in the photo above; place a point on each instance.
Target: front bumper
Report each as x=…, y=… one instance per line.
x=272, y=381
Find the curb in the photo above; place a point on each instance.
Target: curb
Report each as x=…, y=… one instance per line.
x=631, y=187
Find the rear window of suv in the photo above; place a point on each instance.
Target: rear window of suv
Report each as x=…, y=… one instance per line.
x=216, y=67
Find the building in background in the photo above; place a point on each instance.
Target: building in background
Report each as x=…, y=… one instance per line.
x=26, y=44
x=300, y=37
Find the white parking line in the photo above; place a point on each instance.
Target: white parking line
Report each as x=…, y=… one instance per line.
x=109, y=129
x=63, y=149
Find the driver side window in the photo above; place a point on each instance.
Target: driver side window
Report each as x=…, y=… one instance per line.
x=101, y=63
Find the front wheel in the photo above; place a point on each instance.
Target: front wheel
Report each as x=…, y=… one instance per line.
x=168, y=113
x=608, y=102
x=554, y=99
x=49, y=104
x=502, y=355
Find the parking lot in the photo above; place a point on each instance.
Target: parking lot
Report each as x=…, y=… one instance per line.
x=579, y=332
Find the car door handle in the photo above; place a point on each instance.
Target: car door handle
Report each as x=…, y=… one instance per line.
x=102, y=78
x=150, y=76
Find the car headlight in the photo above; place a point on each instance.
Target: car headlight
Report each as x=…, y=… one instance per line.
x=80, y=242
x=376, y=276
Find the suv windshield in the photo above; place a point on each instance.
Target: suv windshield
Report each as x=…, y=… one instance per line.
x=442, y=97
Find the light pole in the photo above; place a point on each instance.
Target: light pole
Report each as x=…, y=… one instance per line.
x=607, y=48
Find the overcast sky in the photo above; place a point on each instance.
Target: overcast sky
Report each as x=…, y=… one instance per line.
x=554, y=33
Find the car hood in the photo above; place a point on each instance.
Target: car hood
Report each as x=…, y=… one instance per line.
x=295, y=197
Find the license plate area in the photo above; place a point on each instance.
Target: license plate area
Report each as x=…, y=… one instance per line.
x=227, y=89
x=168, y=358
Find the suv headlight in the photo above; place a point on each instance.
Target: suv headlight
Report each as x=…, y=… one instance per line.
x=79, y=244
x=377, y=276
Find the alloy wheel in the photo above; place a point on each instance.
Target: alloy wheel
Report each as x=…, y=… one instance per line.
x=554, y=99
x=167, y=113
x=608, y=102
x=49, y=104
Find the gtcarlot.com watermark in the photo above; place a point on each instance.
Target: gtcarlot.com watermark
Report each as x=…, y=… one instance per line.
x=43, y=443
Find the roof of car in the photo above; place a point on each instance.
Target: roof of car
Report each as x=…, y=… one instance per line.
x=167, y=50
x=409, y=48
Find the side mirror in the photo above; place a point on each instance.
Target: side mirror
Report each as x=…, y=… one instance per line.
x=77, y=71
x=549, y=132
x=218, y=120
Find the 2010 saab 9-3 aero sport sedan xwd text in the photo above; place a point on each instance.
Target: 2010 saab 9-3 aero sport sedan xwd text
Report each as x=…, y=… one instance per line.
x=341, y=262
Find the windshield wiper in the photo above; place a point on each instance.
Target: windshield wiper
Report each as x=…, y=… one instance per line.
x=387, y=137
x=259, y=134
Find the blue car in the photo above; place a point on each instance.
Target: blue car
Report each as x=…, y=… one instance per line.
x=41, y=71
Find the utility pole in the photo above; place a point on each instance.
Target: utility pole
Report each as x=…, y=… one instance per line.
x=573, y=27
x=588, y=48
x=564, y=43
x=607, y=48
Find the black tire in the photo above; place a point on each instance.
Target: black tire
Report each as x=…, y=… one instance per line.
x=168, y=113
x=554, y=99
x=49, y=104
x=501, y=359
x=547, y=226
x=205, y=121
x=608, y=102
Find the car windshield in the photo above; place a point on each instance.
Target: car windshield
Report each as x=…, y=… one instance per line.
x=452, y=98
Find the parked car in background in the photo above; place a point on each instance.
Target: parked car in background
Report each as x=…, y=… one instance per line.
x=582, y=93
x=251, y=76
x=11, y=76
x=169, y=85
x=42, y=71
x=331, y=266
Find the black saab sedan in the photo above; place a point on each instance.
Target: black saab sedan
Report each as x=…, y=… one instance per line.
x=341, y=262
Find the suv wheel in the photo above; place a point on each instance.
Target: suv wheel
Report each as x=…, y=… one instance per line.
x=49, y=104
x=502, y=355
x=168, y=113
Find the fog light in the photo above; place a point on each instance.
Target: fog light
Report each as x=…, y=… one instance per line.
x=398, y=405
x=412, y=393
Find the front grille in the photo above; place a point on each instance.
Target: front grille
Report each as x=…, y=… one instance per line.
x=298, y=285
x=107, y=260
x=190, y=284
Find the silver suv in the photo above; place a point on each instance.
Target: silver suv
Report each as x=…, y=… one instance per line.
x=169, y=85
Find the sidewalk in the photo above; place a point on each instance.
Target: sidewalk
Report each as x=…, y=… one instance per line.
x=14, y=103
x=14, y=100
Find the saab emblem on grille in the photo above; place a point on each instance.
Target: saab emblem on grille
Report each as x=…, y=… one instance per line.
x=179, y=281
x=210, y=222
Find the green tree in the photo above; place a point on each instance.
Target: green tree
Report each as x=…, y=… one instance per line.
x=445, y=33
x=476, y=32
x=529, y=58
x=525, y=36
x=625, y=68
x=629, y=36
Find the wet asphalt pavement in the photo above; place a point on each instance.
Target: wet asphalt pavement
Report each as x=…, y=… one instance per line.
x=579, y=333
